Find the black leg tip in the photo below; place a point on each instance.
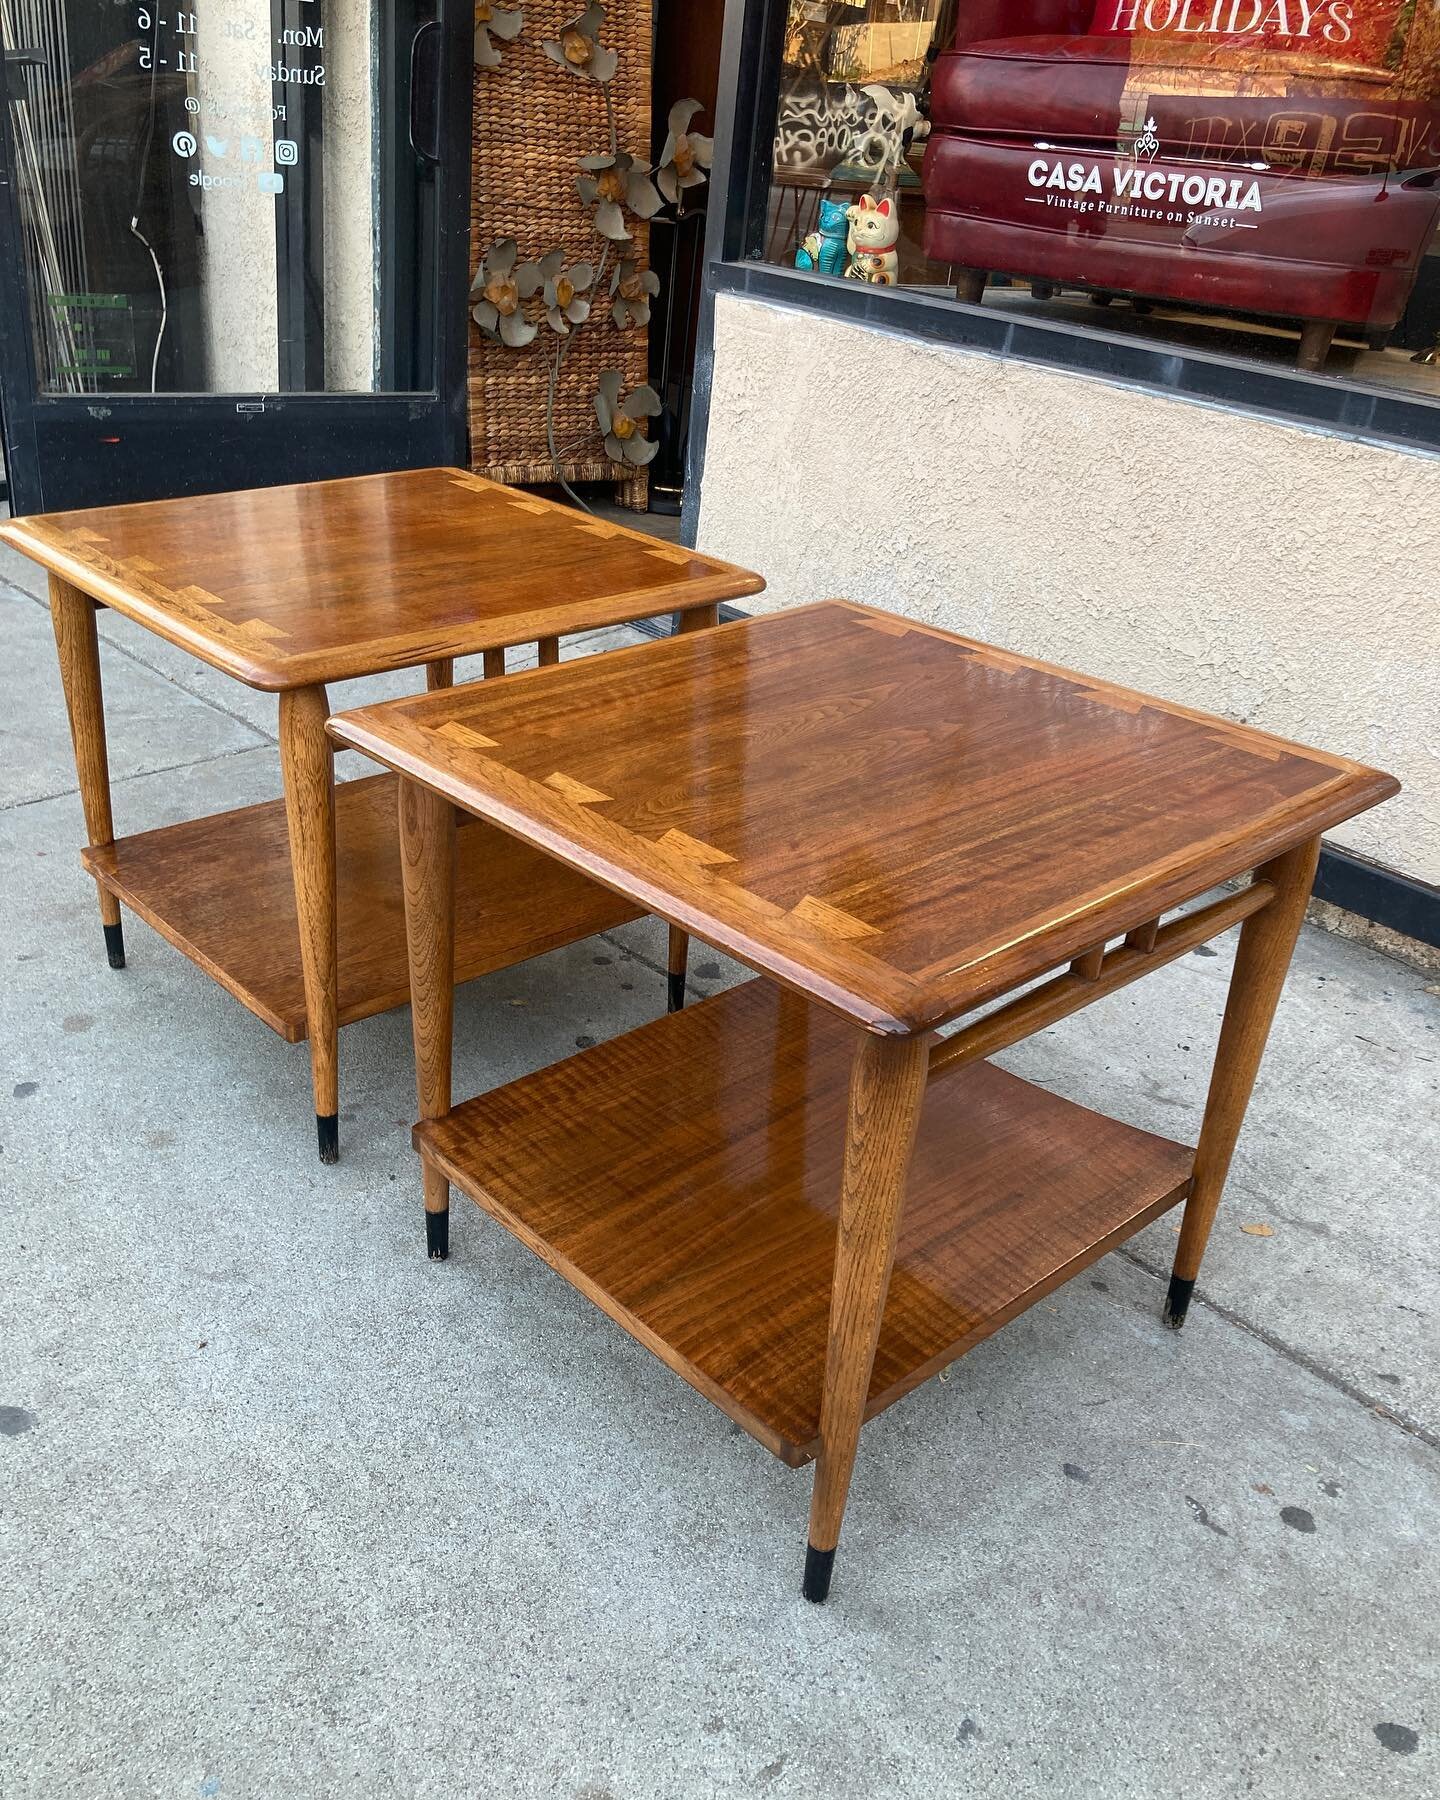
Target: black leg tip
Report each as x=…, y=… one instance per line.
x=818, y=1566
x=1177, y=1301
x=115, y=944
x=437, y=1235
x=677, y=993
x=327, y=1131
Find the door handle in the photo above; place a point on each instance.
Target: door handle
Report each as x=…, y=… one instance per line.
x=426, y=53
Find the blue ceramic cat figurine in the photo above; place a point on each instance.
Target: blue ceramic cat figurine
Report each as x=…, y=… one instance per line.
x=825, y=248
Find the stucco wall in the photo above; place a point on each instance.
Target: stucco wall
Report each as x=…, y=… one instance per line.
x=1273, y=574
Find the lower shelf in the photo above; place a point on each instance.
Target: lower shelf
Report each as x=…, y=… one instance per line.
x=686, y=1177
x=220, y=890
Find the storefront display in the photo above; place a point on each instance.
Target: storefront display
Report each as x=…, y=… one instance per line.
x=1239, y=170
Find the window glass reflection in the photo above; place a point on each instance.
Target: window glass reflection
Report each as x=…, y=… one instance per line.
x=1255, y=177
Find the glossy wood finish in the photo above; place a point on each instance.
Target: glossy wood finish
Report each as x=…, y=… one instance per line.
x=427, y=858
x=1040, y=1007
x=902, y=825
x=1262, y=960
x=687, y=1178
x=287, y=589
x=289, y=586
x=220, y=890
x=306, y=767
x=72, y=614
x=893, y=820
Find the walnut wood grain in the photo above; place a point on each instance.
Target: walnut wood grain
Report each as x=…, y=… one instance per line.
x=307, y=769
x=427, y=858
x=1262, y=960
x=1040, y=1007
x=72, y=614
x=687, y=1178
x=220, y=890
x=286, y=587
x=893, y=820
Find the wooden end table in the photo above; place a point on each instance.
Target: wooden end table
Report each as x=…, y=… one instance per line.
x=296, y=906
x=795, y=1193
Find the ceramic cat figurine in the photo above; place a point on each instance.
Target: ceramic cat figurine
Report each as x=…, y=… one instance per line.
x=874, y=233
x=826, y=248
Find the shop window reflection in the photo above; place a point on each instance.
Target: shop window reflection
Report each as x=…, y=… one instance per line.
x=1257, y=178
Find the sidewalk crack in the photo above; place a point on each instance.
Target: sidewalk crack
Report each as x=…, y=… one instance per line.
x=1301, y=1359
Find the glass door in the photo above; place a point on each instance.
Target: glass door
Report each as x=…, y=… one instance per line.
x=232, y=243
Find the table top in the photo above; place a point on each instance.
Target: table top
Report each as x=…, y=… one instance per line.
x=285, y=586
x=896, y=821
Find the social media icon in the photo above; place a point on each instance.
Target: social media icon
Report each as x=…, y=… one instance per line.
x=287, y=153
x=250, y=149
x=217, y=146
x=270, y=184
x=183, y=143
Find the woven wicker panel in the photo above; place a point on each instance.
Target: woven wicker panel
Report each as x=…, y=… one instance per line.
x=531, y=123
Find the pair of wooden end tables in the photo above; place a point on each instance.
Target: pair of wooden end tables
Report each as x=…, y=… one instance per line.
x=801, y=1194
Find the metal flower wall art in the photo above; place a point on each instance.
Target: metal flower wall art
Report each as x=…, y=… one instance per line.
x=687, y=155
x=615, y=184
x=502, y=289
x=565, y=290
x=632, y=289
x=578, y=47
x=511, y=299
x=503, y=22
x=622, y=422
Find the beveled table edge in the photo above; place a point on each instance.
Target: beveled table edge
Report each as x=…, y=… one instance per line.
x=126, y=594
x=889, y=1001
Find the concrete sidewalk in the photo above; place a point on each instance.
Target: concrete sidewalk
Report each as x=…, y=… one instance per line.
x=286, y=1510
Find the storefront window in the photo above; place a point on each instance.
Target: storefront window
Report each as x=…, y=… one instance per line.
x=205, y=194
x=1257, y=178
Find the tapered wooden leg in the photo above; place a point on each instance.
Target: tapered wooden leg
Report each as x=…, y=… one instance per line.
x=307, y=765
x=1267, y=939
x=427, y=859
x=679, y=961
x=887, y=1085
x=1316, y=336
x=494, y=664
x=78, y=644
x=549, y=649
x=440, y=674
x=694, y=618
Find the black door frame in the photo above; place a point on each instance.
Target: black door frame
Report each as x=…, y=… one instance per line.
x=73, y=450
